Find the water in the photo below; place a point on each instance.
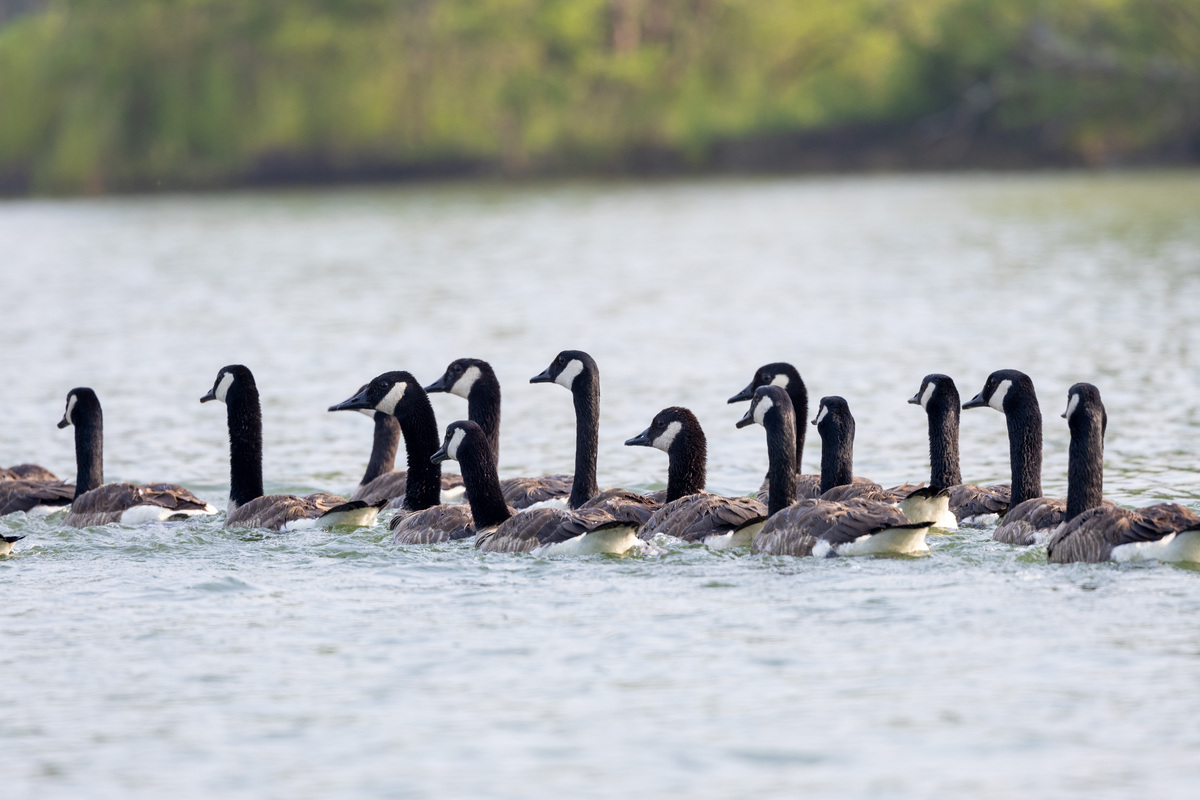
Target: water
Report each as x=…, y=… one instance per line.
x=196, y=661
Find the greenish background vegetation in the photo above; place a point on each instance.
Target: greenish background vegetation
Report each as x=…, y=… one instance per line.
x=100, y=95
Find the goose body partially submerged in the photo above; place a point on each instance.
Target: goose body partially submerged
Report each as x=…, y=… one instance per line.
x=823, y=527
x=1092, y=531
x=99, y=503
x=969, y=504
x=541, y=531
x=33, y=489
x=420, y=516
x=689, y=512
x=248, y=506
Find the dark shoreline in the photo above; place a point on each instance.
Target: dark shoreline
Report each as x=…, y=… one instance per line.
x=862, y=149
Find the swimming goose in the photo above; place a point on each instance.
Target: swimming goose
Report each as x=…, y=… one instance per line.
x=970, y=504
x=475, y=380
x=382, y=481
x=420, y=519
x=577, y=372
x=248, y=506
x=1030, y=517
x=542, y=531
x=835, y=423
x=6, y=543
x=690, y=513
x=819, y=527
x=1095, y=532
x=98, y=503
x=32, y=489
x=783, y=374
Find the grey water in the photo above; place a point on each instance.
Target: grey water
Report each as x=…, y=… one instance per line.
x=191, y=660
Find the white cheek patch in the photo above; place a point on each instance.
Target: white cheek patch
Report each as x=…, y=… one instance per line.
x=570, y=373
x=927, y=395
x=388, y=404
x=760, y=410
x=822, y=414
x=367, y=412
x=455, y=441
x=70, y=407
x=780, y=380
x=223, y=386
x=462, y=386
x=1072, y=404
x=667, y=438
x=997, y=398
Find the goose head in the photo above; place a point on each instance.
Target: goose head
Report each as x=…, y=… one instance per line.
x=666, y=428
x=937, y=391
x=779, y=373
x=80, y=401
x=768, y=400
x=385, y=393
x=461, y=376
x=1005, y=388
x=833, y=415
x=460, y=437
x=566, y=368
x=231, y=381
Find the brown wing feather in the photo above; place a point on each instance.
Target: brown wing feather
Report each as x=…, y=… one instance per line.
x=968, y=500
x=528, y=530
x=697, y=516
x=1024, y=520
x=437, y=524
x=624, y=505
x=27, y=472
x=864, y=490
x=1092, y=535
x=797, y=529
x=274, y=511
x=23, y=495
x=524, y=492
x=107, y=503
x=808, y=487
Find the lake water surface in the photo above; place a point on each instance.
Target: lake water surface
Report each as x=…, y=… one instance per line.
x=190, y=660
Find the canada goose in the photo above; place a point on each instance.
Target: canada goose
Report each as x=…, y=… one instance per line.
x=690, y=513
x=6, y=543
x=1030, y=517
x=1093, y=531
x=820, y=527
x=248, y=507
x=542, y=531
x=98, y=503
x=382, y=481
x=32, y=489
x=783, y=374
x=970, y=504
x=475, y=380
x=578, y=373
x=420, y=519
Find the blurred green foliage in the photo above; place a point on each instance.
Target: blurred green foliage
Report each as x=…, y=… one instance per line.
x=104, y=94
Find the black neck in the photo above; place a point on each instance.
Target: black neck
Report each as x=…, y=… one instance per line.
x=687, y=468
x=423, y=487
x=1025, y=448
x=1085, y=462
x=780, y=423
x=798, y=393
x=837, y=452
x=383, y=450
x=943, y=444
x=483, y=408
x=586, y=392
x=244, y=415
x=89, y=448
x=482, y=483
